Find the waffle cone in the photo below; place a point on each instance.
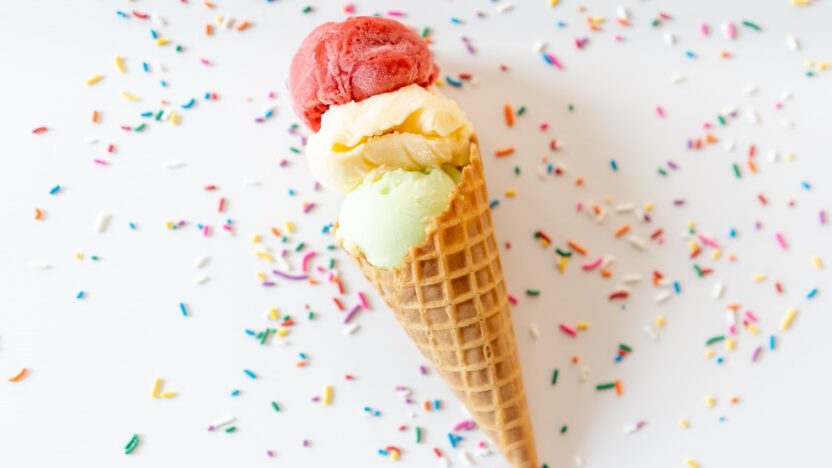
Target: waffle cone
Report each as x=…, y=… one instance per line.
x=450, y=297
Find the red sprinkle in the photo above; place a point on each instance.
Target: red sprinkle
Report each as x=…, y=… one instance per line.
x=39, y=130
x=619, y=295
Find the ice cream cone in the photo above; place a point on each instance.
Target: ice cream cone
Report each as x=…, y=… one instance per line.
x=450, y=297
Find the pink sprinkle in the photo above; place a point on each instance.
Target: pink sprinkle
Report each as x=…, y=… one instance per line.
x=205, y=61
x=750, y=315
x=349, y=8
x=307, y=258
x=730, y=30
x=781, y=240
x=709, y=242
x=396, y=13
x=466, y=425
x=554, y=61
x=363, y=299
x=206, y=230
x=756, y=354
x=512, y=299
x=352, y=313
x=579, y=206
x=592, y=265
x=660, y=111
x=822, y=216
x=568, y=331
x=704, y=29
x=732, y=330
x=544, y=125
x=100, y=161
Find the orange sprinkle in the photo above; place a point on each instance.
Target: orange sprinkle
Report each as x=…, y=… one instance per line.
x=575, y=359
x=710, y=138
x=427, y=406
x=618, y=389
x=209, y=5
x=622, y=230
x=623, y=22
x=509, y=115
x=301, y=364
x=577, y=247
x=95, y=116
x=38, y=214
x=752, y=167
x=20, y=375
x=579, y=181
x=596, y=209
x=735, y=400
x=243, y=26
x=606, y=273
x=725, y=54
x=209, y=29
x=507, y=151
x=276, y=231
x=733, y=307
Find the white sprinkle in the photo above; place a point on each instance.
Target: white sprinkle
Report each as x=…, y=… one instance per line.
x=607, y=261
x=631, y=278
x=583, y=374
x=730, y=317
x=651, y=332
x=39, y=265
x=753, y=118
x=624, y=208
x=786, y=123
x=483, y=451
x=622, y=13
x=102, y=222
x=465, y=458
x=579, y=460
x=91, y=140
x=637, y=242
x=677, y=78
x=251, y=183
x=750, y=89
x=158, y=20
x=662, y=296
x=719, y=288
x=786, y=96
x=351, y=328
x=773, y=156
x=443, y=462
x=175, y=164
x=228, y=22
x=602, y=215
x=504, y=7
x=793, y=43
x=669, y=38
x=730, y=145
x=201, y=279
x=534, y=331
x=539, y=46
x=221, y=422
x=201, y=261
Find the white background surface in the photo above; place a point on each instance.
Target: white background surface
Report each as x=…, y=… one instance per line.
x=93, y=361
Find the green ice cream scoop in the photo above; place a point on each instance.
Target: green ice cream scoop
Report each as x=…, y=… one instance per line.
x=387, y=215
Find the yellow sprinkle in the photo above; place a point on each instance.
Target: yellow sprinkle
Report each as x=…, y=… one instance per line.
x=789, y=156
x=290, y=226
x=808, y=63
x=759, y=277
x=174, y=118
x=162, y=41
x=256, y=238
x=157, y=387
x=691, y=224
x=752, y=329
x=715, y=254
x=553, y=2
x=511, y=192
x=261, y=276
x=582, y=326
x=439, y=82
x=94, y=79
x=800, y=2
x=693, y=246
x=168, y=394
x=218, y=19
x=265, y=256
x=823, y=66
x=788, y=319
x=816, y=262
x=684, y=423
x=648, y=207
x=79, y=256
x=130, y=96
x=710, y=401
x=660, y=321
x=283, y=332
x=120, y=64
x=327, y=400
x=607, y=199
x=709, y=353
x=731, y=343
x=691, y=463
x=274, y=314
x=562, y=264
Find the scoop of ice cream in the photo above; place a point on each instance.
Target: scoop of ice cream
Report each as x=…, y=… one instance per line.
x=388, y=214
x=411, y=128
x=353, y=60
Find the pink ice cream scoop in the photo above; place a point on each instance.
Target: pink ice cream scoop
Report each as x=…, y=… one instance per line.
x=353, y=60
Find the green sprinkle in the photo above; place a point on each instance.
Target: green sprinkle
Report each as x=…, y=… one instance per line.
x=294, y=150
x=275, y=406
x=265, y=336
x=715, y=339
x=310, y=315
x=521, y=110
x=662, y=172
x=307, y=9
x=605, y=386
x=230, y=429
x=754, y=26
x=134, y=442
x=698, y=270
x=555, y=377
x=571, y=107
x=425, y=31
x=418, y=435
x=563, y=429
x=95, y=258
x=516, y=170
x=179, y=48
x=532, y=292
x=300, y=247
x=140, y=128
x=159, y=114
x=721, y=119
x=625, y=348
x=331, y=263
x=656, y=22
x=563, y=253
x=737, y=171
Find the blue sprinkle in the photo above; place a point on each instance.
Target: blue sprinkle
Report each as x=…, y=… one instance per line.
x=677, y=287
x=806, y=185
x=133, y=226
x=302, y=356
x=191, y=103
x=732, y=232
x=269, y=113
x=163, y=83
x=153, y=34
x=812, y=293
x=383, y=452
x=436, y=404
x=618, y=358
x=546, y=58
x=80, y=295
x=493, y=204
x=722, y=419
x=614, y=165
x=208, y=95
x=453, y=440
x=772, y=342
x=250, y=332
x=183, y=309
x=147, y=114
x=561, y=24
x=453, y=82
x=250, y=373
x=122, y=14
x=54, y=190
x=720, y=360
x=690, y=54
x=235, y=392
x=146, y=67
x=326, y=228
x=291, y=192
x=456, y=21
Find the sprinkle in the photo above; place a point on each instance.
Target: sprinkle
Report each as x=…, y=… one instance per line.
x=576, y=247
x=94, y=79
x=605, y=386
x=131, y=445
x=102, y=222
x=507, y=151
x=221, y=422
x=622, y=230
x=157, y=388
x=710, y=401
x=20, y=375
x=684, y=423
x=812, y=293
x=509, y=115
x=715, y=339
x=290, y=277
x=183, y=308
x=754, y=26
x=555, y=377
x=620, y=294
x=787, y=320
x=130, y=96
x=780, y=240
x=756, y=354
x=327, y=399
x=40, y=130
x=816, y=262
x=120, y=64
x=691, y=463
x=250, y=373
